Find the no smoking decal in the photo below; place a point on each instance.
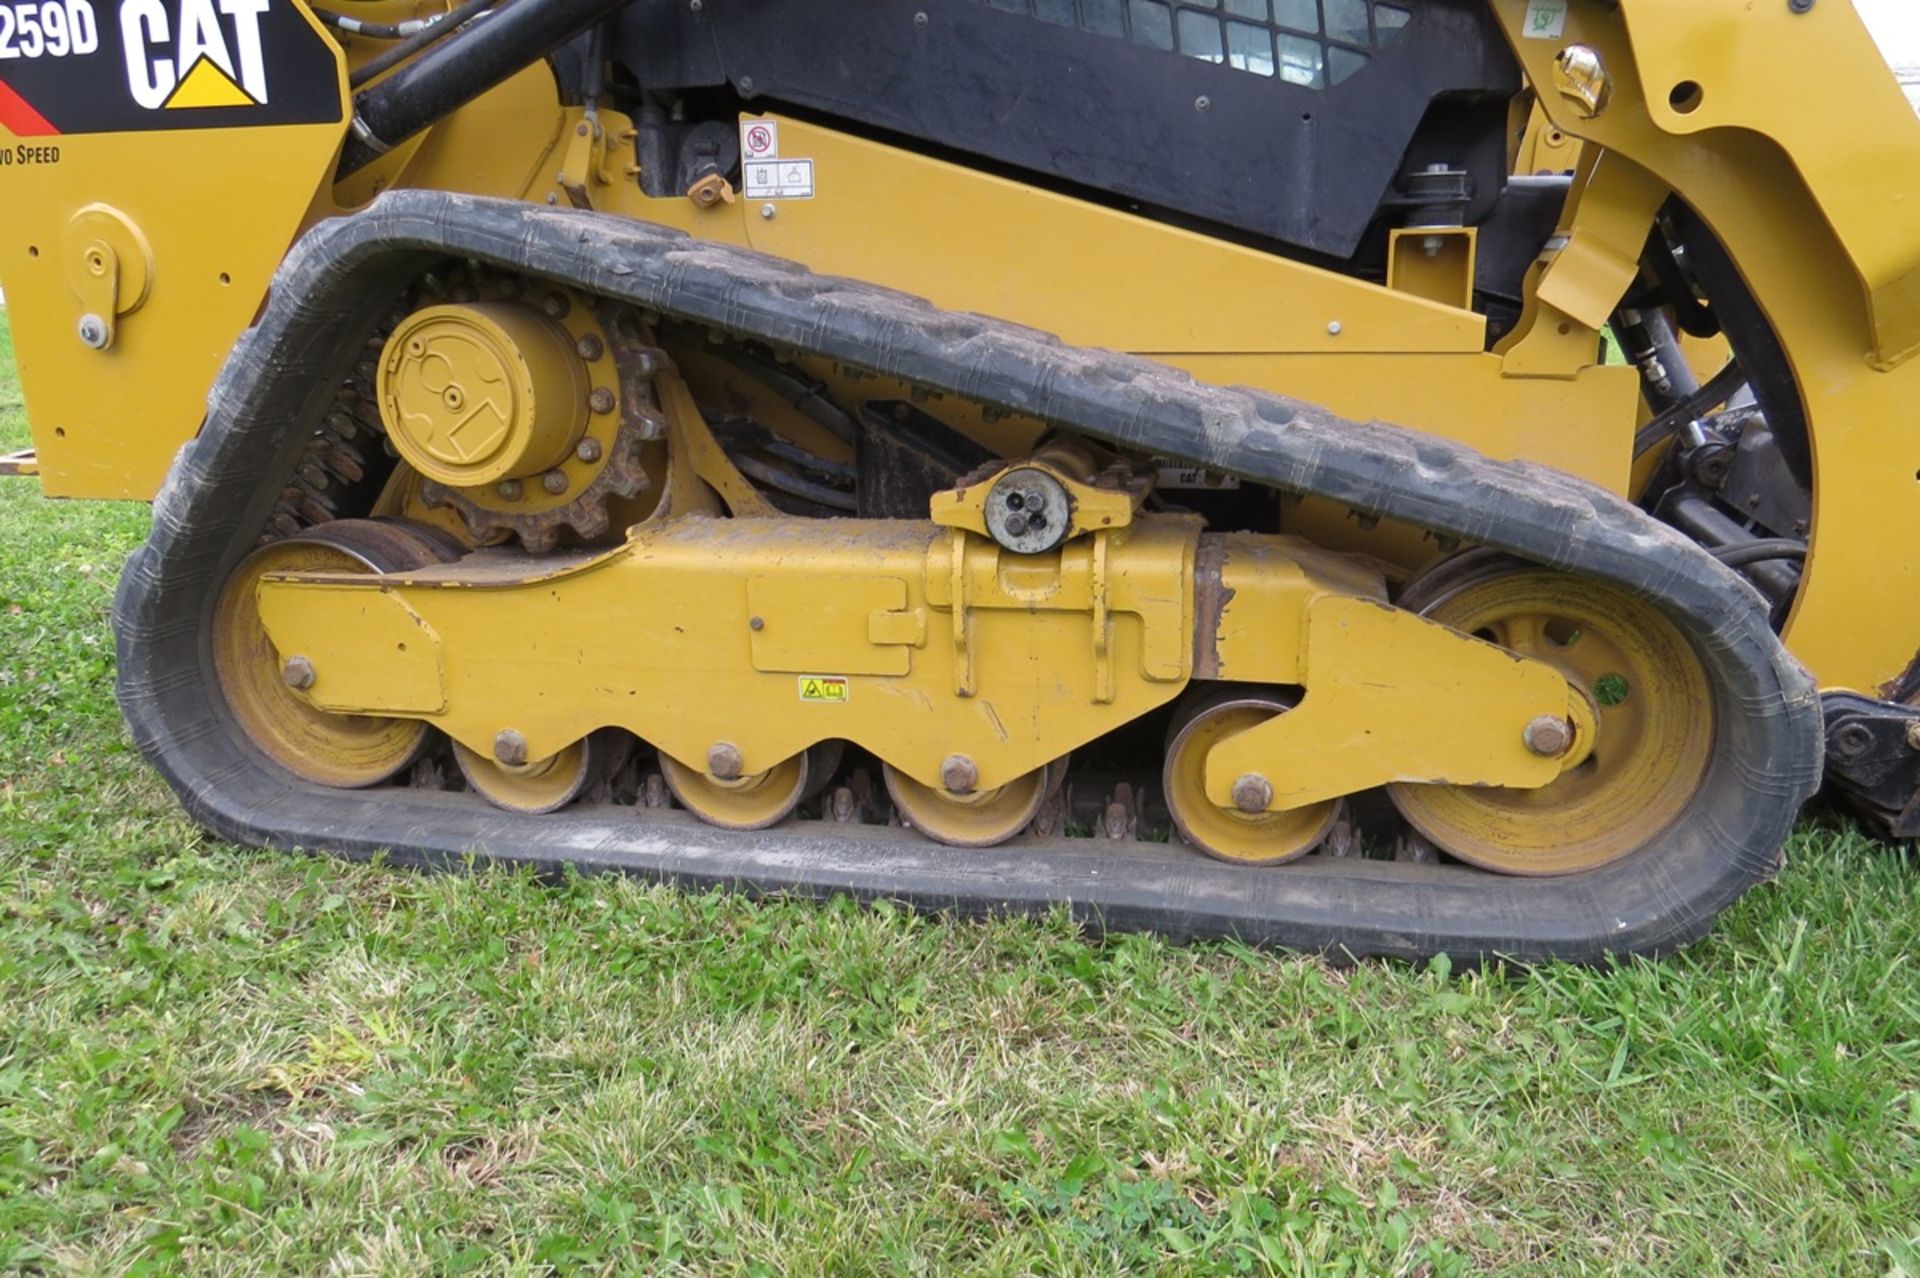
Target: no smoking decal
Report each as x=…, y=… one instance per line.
x=759, y=139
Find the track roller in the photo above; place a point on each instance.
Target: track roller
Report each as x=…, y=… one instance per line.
x=1644, y=725
x=739, y=802
x=267, y=694
x=1228, y=834
x=544, y=785
x=973, y=818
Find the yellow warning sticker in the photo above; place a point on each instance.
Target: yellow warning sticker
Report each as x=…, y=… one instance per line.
x=827, y=689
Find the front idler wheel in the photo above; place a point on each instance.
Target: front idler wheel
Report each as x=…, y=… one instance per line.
x=1638, y=745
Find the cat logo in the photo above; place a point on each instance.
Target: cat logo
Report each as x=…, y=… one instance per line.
x=119, y=66
x=213, y=59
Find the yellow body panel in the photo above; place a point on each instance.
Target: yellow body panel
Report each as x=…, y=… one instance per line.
x=1814, y=230
x=213, y=212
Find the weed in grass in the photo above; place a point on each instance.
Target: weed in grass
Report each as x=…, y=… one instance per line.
x=218, y=1061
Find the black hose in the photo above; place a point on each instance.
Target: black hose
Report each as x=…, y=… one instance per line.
x=375, y=30
x=373, y=68
x=447, y=77
x=1760, y=551
x=794, y=485
x=1717, y=389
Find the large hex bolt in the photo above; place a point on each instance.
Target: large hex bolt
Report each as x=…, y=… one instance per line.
x=298, y=673
x=602, y=400
x=724, y=762
x=1549, y=737
x=510, y=748
x=1252, y=794
x=958, y=774
x=1852, y=740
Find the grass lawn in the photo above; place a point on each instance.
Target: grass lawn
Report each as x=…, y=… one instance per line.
x=216, y=1061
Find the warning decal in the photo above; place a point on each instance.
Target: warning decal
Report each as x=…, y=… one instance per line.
x=779, y=179
x=759, y=139
x=118, y=66
x=1545, y=20
x=825, y=689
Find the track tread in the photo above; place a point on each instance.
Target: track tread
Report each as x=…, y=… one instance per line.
x=281, y=375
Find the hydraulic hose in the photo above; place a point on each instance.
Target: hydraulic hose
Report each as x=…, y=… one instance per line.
x=1718, y=389
x=431, y=34
x=456, y=71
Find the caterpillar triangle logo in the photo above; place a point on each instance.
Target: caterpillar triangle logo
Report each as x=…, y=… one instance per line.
x=206, y=85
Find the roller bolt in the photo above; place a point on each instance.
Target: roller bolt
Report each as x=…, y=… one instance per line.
x=1549, y=737
x=1253, y=794
x=602, y=401
x=1016, y=524
x=588, y=451
x=590, y=347
x=1853, y=740
x=724, y=762
x=958, y=774
x=509, y=489
x=510, y=748
x=298, y=673
x=93, y=332
x=554, y=481
x=556, y=305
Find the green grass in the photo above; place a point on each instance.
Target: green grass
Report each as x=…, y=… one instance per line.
x=215, y=1061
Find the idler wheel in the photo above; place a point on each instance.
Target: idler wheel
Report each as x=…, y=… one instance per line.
x=1640, y=735
x=267, y=691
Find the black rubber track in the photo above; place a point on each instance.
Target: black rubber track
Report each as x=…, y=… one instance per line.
x=283, y=373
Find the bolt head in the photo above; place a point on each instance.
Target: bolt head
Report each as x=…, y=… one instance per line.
x=958, y=774
x=601, y=401
x=590, y=347
x=1334, y=328
x=588, y=451
x=298, y=673
x=555, y=305
x=1252, y=794
x=554, y=481
x=1853, y=740
x=93, y=332
x=510, y=748
x=509, y=489
x=724, y=762
x=1548, y=736
x=767, y=211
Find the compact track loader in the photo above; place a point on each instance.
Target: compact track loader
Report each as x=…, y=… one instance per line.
x=1393, y=476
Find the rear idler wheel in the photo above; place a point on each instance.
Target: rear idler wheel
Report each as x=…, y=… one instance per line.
x=751, y=801
x=972, y=818
x=1228, y=834
x=1643, y=733
x=267, y=694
